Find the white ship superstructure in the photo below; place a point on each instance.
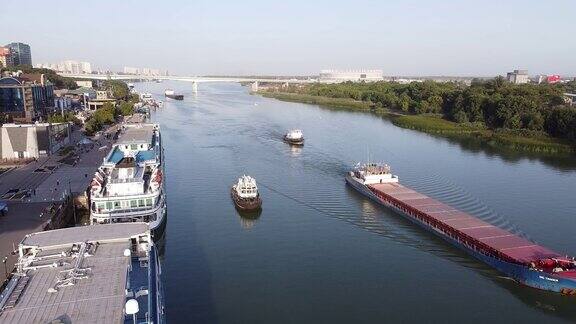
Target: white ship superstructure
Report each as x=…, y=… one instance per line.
x=129, y=185
x=372, y=173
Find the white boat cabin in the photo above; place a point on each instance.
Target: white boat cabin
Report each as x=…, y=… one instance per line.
x=372, y=173
x=246, y=187
x=294, y=134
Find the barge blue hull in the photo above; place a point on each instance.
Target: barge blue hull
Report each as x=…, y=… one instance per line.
x=517, y=272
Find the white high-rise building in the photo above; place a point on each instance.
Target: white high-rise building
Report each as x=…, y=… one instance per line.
x=69, y=66
x=144, y=71
x=86, y=67
x=131, y=70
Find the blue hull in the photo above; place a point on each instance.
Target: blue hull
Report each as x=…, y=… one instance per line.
x=519, y=273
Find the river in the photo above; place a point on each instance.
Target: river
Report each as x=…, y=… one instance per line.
x=319, y=251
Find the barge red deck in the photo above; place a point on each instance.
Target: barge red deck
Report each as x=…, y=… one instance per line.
x=468, y=229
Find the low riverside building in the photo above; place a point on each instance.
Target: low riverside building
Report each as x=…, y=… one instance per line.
x=32, y=140
x=518, y=77
x=26, y=98
x=102, y=97
x=337, y=76
x=79, y=97
x=62, y=104
x=84, y=83
x=570, y=99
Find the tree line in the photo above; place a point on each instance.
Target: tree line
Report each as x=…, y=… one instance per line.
x=58, y=81
x=495, y=103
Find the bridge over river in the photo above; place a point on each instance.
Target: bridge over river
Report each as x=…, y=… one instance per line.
x=197, y=79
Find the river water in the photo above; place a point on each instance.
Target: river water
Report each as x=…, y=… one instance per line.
x=320, y=252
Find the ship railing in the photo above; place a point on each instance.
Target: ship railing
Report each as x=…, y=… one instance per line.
x=445, y=228
x=124, y=180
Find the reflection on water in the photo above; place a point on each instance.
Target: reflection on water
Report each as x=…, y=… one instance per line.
x=248, y=218
x=295, y=150
x=562, y=162
x=368, y=210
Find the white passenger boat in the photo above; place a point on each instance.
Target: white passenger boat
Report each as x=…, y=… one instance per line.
x=129, y=185
x=294, y=137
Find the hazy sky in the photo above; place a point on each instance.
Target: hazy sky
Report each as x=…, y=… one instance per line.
x=417, y=37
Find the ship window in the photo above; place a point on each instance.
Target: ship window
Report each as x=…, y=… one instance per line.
x=134, y=146
x=117, y=205
x=100, y=206
x=140, y=202
x=109, y=205
x=148, y=201
x=133, y=203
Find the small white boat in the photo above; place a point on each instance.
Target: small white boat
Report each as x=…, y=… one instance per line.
x=294, y=137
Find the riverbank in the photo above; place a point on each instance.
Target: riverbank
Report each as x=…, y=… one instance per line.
x=435, y=125
x=316, y=100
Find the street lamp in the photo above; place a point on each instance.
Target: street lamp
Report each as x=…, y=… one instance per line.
x=72, y=201
x=5, y=269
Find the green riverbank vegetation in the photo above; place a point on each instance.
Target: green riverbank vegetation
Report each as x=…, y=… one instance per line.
x=527, y=117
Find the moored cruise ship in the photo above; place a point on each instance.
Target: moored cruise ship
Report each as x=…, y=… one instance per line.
x=90, y=274
x=129, y=185
x=520, y=259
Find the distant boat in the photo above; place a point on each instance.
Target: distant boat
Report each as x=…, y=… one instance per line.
x=294, y=137
x=245, y=194
x=172, y=95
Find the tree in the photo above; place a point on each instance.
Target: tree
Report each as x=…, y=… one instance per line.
x=460, y=117
x=404, y=102
x=126, y=108
x=58, y=81
x=496, y=102
x=119, y=88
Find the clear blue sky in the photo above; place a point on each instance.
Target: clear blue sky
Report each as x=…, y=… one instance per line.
x=414, y=37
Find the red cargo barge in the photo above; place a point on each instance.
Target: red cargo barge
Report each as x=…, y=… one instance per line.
x=519, y=258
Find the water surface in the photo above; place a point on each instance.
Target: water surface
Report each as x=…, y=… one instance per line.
x=320, y=252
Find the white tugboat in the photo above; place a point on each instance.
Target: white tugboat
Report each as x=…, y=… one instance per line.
x=294, y=137
x=129, y=185
x=245, y=194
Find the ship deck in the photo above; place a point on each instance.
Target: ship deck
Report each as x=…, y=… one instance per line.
x=510, y=245
x=98, y=297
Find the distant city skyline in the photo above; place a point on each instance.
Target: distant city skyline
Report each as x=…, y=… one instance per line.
x=416, y=38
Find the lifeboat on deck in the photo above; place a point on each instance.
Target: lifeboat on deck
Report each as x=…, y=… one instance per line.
x=156, y=179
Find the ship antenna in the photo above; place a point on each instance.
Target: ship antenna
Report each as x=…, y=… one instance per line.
x=367, y=154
